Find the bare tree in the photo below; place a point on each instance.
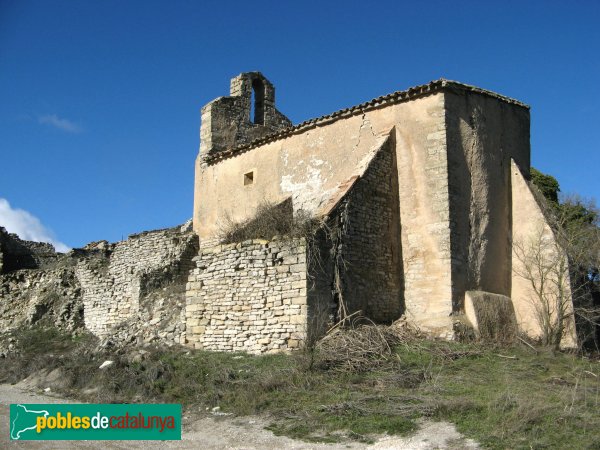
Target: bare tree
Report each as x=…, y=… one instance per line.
x=543, y=263
x=560, y=263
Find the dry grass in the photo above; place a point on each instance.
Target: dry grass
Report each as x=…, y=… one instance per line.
x=362, y=347
x=496, y=319
x=365, y=380
x=270, y=220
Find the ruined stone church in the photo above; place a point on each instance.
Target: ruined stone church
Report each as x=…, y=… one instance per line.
x=419, y=197
x=429, y=188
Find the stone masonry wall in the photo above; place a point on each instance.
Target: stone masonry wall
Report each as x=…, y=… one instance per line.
x=424, y=212
x=371, y=258
x=112, y=287
x=250, y=296
x=226, y=121
x=16, y=253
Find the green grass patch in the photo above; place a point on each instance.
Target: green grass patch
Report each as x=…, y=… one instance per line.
x=505, y=397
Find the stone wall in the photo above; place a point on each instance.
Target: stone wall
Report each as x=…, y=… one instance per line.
x=370, y=256
x=127, y=292
x=250, y=297
x=113, y=286
x=16, y=253
x=228, y=122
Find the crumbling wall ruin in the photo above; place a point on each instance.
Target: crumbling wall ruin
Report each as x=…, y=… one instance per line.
x=16, y=253
x=128, y=292
x=115, y=285
x=33, y=296
x=37, y=285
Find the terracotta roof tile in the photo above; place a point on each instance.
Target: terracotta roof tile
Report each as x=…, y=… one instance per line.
x=385, y=100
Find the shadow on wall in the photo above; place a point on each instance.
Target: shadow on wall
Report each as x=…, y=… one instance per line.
x=16, y=254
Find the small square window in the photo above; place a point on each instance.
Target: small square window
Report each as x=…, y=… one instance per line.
x=248, y=178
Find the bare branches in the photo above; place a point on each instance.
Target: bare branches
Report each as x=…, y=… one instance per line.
x=269, y=220
x=362, y=347
x=558, y=262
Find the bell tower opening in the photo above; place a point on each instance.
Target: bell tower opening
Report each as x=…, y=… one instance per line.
x=257, y=102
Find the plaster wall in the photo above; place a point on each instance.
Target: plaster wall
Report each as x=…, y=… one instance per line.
x=422, y=165
x=483, y=135
x=309, y=167
x=530, y=227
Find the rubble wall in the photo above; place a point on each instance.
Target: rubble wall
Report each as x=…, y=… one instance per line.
x=114, y=287
x=16, y=254
x=370, y=255
x=250, y=297
x=51, y=297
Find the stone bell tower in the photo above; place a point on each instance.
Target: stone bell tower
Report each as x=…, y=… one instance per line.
x=247, y=114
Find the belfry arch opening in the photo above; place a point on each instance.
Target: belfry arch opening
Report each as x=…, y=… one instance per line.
x=257, y=102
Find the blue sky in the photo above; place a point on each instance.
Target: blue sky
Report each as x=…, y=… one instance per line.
x=100, y=100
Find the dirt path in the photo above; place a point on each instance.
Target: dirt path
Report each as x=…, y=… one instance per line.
x=225, y=433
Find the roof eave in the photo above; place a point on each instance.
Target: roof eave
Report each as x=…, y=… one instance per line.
x=412, y=93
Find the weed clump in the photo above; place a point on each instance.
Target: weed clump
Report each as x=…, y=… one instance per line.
x=269, y=220
x=360, y=348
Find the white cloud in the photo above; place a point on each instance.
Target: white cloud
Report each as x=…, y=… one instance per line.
x=62, y=124
x=27, y=226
